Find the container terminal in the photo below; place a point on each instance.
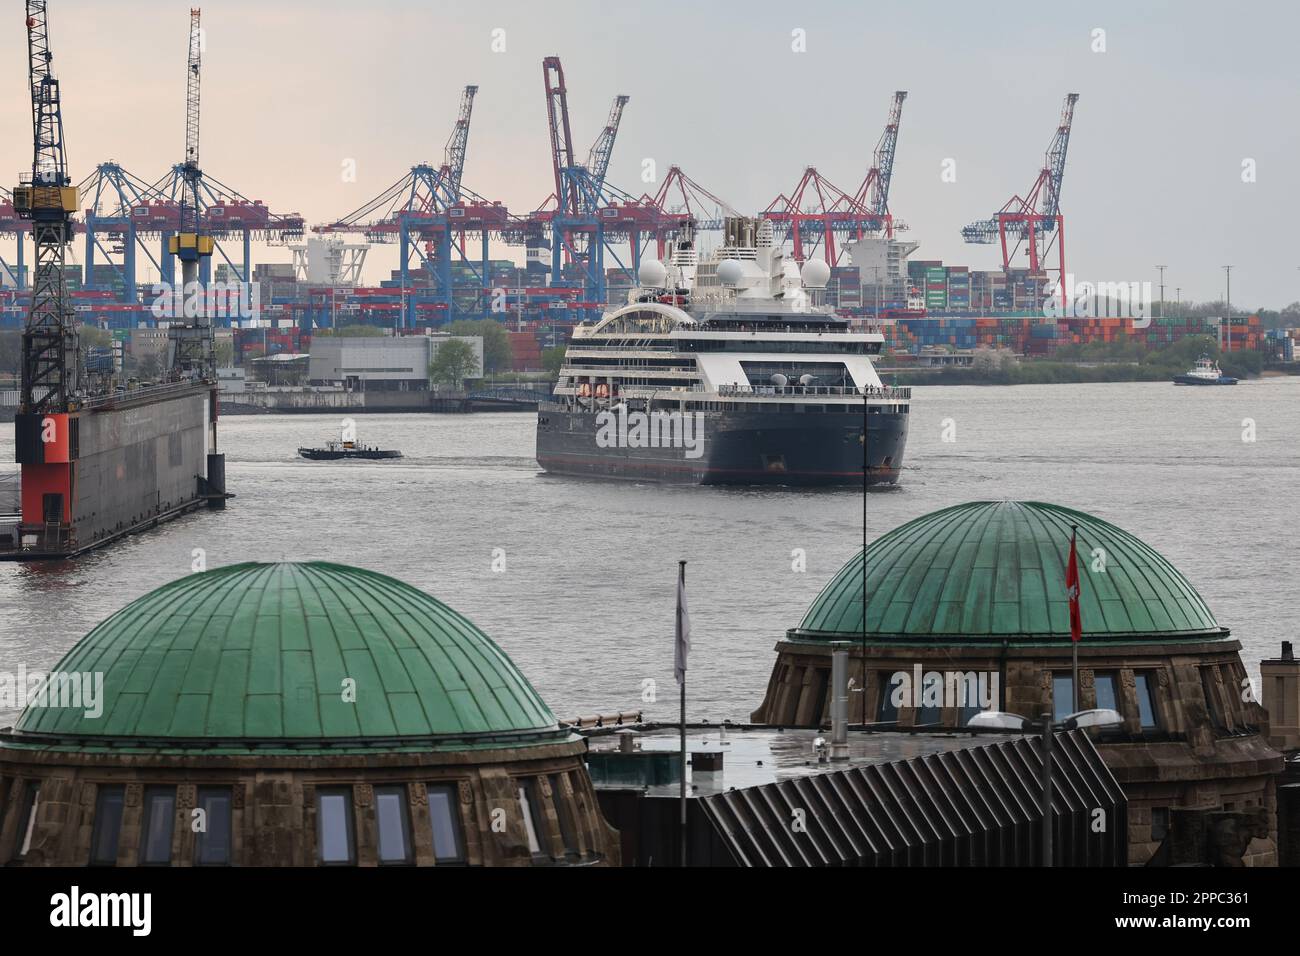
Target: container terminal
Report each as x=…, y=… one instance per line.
x=582, y=248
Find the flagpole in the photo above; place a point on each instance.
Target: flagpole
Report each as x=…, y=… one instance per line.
x=681, y=570
x=1074, y=644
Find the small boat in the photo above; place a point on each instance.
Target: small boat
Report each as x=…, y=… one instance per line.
x=339, y=450
x=1206, y=371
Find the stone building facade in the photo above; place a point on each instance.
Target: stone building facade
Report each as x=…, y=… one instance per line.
x=969, y=605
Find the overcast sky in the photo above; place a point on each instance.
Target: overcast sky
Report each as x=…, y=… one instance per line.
x=1183, y=94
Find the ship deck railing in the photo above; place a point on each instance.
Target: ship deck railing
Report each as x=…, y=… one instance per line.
x=898, y=392
x=143, y=391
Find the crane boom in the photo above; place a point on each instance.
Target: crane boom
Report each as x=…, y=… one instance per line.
x=192, y=173
x=1054, y=163
x=557, y=114
x=191, y=345
x=603, y=148
x=51, y=373
x=884, y=157
x=454, y=159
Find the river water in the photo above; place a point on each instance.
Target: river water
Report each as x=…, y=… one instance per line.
x=582, y=594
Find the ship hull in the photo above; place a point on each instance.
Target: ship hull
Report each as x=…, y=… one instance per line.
x=115, y=469
x=1195, y=380
x=737, y=448
x=325, y=454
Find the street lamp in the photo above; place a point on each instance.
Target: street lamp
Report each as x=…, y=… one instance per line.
x=1080, y=720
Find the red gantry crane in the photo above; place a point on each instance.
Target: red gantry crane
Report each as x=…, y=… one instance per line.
x=1035, y=223
x=817, y=214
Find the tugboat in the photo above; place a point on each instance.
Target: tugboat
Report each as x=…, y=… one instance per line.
x=346, y=448
x=1206, y=371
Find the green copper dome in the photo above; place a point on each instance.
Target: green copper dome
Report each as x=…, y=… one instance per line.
x=996, y=570
x=264, y=654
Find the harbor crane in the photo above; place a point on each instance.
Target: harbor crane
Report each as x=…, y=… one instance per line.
x=428, y=213
x=51, y=369
x=577, y=229
x=1034, y=223
x=874, y=191
x=192, y=345
x=454, y=160
x=819, y=216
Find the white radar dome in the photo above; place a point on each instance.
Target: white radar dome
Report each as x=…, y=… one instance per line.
x=730, y=272
x=652, y=273
x=815, y=274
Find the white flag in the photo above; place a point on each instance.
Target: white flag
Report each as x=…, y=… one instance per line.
x=683, y=645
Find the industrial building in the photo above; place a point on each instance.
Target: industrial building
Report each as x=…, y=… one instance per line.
x=380, y=363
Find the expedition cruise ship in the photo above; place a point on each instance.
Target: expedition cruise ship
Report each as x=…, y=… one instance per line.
x=725, y=371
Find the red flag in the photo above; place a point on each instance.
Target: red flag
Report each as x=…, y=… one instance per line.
x=1072, y=589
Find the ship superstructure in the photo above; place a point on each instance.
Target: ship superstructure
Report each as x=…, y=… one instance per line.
x=725, y=369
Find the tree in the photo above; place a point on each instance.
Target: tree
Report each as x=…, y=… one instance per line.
x=11, y=352
x=454, y=362
x=552, y=359
x=496, y=343
x=225, y=353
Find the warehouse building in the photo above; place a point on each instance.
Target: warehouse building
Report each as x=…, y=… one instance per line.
x=380, y=363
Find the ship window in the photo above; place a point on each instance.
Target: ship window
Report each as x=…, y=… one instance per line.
x=156, y=830
x=1146, y=701
x=212, y=843
x=108, y=825
x=1062, y=696
x=443, y=804
x=394, y=825
x=27, y=819
x=335, y=843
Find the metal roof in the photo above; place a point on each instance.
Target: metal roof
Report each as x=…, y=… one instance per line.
x=977, y=806
x=996, y=570
x=259, y=653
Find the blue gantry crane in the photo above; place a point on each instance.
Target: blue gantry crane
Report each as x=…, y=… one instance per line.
x=576, y=225
x=429, y=212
